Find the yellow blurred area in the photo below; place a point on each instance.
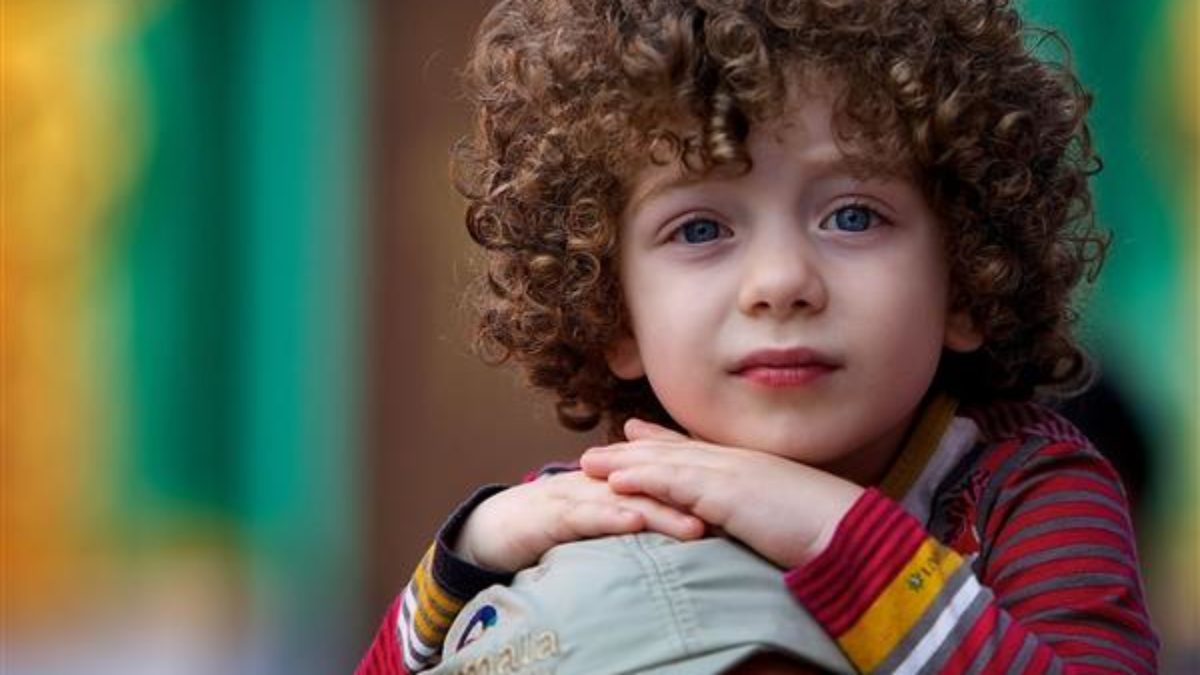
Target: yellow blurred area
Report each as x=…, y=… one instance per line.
x=1183, y=28
x=73, y=131
x=1178, y=612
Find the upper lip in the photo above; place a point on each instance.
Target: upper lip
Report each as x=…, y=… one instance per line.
x=791, y=357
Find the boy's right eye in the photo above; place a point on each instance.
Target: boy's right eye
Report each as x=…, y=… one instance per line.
x=699, y=231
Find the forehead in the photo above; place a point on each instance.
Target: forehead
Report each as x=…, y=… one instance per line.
x=806, y=128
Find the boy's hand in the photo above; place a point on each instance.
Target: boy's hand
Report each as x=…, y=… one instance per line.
x=784, y=510
x=512, y=529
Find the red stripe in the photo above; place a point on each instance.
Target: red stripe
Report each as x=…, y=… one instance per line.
x=828, y=566
x=1080, y=536
x=872, y=535
x=384, y=657
x=1110, y=636
x=972, y=642
x=1058, y=510
x=1010, y=647
x=842, y=582
x=1054, y=570
x=1039, y=662
x=862, y=587
x=1085, y=597
x=1069, y=650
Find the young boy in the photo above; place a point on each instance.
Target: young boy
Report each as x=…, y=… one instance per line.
x=811, y=260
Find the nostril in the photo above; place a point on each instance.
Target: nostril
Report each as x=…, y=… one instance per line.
x=780, y=282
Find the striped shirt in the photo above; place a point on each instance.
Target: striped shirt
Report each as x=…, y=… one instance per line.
x=999, y=541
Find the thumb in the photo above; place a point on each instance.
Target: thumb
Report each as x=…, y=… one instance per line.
x=636, y=430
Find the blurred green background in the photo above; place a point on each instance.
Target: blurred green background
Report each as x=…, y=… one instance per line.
x=237, y=397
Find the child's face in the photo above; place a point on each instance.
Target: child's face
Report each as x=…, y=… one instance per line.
x=794, y=309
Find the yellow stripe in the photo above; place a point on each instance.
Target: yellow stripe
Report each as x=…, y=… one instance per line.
x=919, y=447
x=430, y=636
x=432, y=599
x=900, y=606
x=437, y=595
x=435, y=610
x=430, y=631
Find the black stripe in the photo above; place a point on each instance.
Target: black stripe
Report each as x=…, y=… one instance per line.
x=988, y=651
x=1075, y=581
x=1107, y=645
x=1073, y=551
x=1024, y=654
x=1066, y=497
x=1059, y=525
x=991, y=492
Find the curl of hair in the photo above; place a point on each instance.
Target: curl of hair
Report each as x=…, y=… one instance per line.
x=572, y=97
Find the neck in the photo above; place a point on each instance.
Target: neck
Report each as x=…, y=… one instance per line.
x=869, y=465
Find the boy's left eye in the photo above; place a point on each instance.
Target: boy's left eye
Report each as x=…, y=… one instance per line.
x=851, y=218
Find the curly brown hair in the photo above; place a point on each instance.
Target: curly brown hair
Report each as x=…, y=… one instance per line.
x=572, y=96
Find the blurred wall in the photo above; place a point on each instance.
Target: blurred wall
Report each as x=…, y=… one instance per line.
x=442, y=423
x=182, y=220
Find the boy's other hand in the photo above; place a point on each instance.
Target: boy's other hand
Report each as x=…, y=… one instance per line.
x=784, y=510
x=511, y=530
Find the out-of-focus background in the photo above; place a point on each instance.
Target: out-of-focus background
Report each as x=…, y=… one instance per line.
x=237, y=392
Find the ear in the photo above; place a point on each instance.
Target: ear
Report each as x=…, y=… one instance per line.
x=961, y=333
x=624, y=358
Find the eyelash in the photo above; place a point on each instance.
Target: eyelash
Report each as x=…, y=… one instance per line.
x=678, y=233
x=876, y=218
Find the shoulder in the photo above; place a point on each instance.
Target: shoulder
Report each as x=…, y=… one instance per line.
x=1001, y=421
x=1023, y=451
x=1034, y=464
x=1023, y=439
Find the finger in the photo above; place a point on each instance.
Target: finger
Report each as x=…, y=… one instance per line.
x=660, y=517
x=596, y=463
x=678, y=486
x=696, y=490
x=602, y=461
x=636, y=429
x=656, y=516
x=587, y=519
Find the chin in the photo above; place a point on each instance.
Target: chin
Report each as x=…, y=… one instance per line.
x=796, y=446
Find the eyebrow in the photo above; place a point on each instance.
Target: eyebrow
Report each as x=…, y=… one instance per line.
x=821, y=166
x=660, y=186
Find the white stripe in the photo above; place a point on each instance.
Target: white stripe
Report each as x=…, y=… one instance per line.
x=414, y=648
x=941, y=628
x=410, y=662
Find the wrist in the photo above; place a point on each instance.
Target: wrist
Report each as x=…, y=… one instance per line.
x=466, y=544
x=463, y=537
x=838, y=506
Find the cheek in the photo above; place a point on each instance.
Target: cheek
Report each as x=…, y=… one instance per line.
x=899, y=314
x=667, y=306
x=677, y=353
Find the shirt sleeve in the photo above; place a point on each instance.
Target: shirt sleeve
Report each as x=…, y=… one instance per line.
x=410, y=639
x=1055, y=587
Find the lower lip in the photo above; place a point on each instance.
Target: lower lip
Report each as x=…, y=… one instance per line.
x=790, y=376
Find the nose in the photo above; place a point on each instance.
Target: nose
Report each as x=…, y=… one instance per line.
x=780, y=278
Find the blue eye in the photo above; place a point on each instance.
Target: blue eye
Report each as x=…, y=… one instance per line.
x=700, y=231
x=854, y=218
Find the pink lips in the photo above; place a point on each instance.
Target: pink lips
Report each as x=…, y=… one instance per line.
x=784, y=367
